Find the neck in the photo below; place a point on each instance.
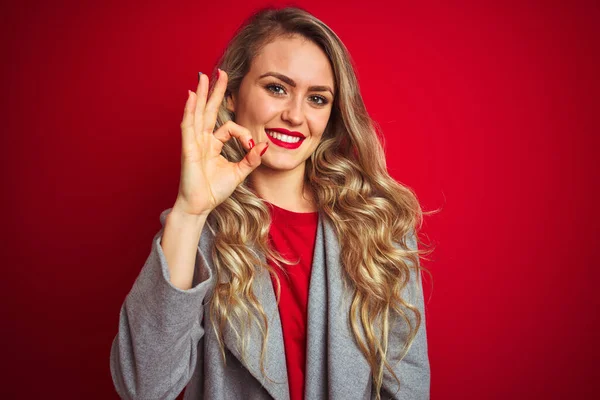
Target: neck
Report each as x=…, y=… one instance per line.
x=285, y=189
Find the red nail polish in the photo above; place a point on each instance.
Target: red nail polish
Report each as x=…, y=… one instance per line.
x=218, y=73
x=265, y=149
x=251, y=144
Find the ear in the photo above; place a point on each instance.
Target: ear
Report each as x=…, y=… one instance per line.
x=230, y=103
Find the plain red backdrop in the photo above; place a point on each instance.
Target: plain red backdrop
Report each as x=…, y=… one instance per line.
x=490, y=112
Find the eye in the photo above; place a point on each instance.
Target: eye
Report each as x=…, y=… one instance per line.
x=273, y=88
x=279, y=90
x=319, y=100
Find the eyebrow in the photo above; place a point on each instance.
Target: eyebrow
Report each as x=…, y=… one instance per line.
x=291, y=82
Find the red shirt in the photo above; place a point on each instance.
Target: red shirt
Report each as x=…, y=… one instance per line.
x=293, y=235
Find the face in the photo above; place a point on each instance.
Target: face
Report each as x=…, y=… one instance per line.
x=290, y=87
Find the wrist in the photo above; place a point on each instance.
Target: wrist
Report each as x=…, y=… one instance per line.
x=181, y=208
x=179, y=215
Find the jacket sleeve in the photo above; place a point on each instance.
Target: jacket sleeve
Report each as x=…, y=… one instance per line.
x=154, y=353
x=413, y=370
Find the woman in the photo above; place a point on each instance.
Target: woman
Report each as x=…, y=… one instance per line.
x=288, y=266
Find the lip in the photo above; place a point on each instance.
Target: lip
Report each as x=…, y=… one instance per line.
x=283, y=144
x=286, y=132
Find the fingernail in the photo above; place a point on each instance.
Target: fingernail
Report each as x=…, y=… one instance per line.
x=199, y=73
x=265, y=149
x=251, y=144
x=218, y=73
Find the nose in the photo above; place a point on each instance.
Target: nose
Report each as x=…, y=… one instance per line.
x=293, y=113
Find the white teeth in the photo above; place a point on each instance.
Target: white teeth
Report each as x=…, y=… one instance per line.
x=283, y=138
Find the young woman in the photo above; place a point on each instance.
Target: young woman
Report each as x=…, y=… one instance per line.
x=288, y=266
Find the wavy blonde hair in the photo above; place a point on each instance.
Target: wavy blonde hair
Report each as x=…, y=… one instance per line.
x=373, y=215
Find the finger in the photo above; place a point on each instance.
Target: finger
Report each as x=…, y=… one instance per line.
x=201, y=94
x=252, y=160
x=231, y=129
x=187, y=122
x=214, y=102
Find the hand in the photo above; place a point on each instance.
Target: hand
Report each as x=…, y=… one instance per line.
x=207, y=178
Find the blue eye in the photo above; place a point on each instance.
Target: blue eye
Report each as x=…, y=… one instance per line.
x=279, y=90
x=321, y=98
x=272, y=86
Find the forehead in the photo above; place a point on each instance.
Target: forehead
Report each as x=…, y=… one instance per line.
x=296, y=57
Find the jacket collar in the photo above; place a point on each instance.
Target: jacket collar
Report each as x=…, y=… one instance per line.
x=330, y=349
x=275, y=362
x=275, y=366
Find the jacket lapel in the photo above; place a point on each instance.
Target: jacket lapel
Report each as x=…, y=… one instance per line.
x=275, y=365
x=335, y=367
x=316, y=379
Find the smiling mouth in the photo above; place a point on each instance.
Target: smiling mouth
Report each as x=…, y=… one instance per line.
x=285, y=141
x=282, y=137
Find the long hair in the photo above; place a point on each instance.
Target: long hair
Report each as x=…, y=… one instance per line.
x=373, y=215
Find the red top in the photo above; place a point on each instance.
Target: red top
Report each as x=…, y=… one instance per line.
x=293, y=235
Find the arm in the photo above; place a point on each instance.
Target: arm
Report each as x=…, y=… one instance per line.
x=413, y=370
x=154, y=353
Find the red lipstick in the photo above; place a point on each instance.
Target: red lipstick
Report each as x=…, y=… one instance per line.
x=286, y=132
x=281, y=143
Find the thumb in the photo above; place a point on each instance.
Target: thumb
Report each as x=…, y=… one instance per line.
x=253, y=159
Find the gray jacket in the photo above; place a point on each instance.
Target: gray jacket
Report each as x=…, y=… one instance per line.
x=164, y=342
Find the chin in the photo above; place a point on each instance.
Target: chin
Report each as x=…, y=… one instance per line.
x=281, y=165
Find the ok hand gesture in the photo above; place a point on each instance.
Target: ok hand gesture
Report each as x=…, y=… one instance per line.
x=207, y=178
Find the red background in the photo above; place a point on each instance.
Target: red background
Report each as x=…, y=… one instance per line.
x=490, y=113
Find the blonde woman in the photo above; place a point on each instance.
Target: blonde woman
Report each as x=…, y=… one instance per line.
x=288, y=266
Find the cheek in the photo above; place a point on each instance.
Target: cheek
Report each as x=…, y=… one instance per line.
x=260, y=108
x=318, y=123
